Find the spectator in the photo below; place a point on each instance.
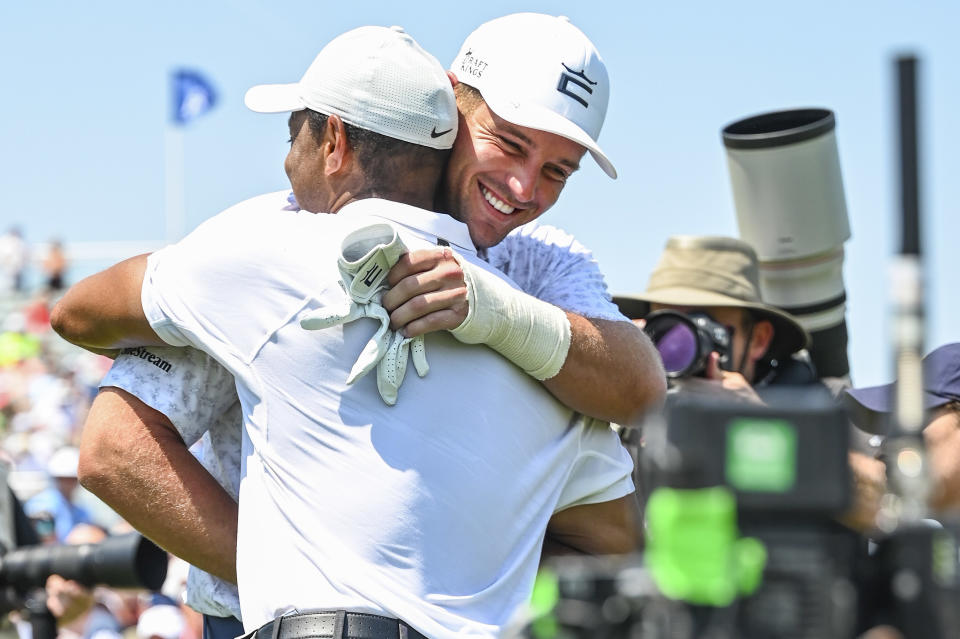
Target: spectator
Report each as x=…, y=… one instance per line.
x=57, y=500
x=13, y=261
x=163, y=621
x=871, y=409
x=82, y=613
x=55, y=267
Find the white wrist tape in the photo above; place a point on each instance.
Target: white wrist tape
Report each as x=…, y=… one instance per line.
x=532, y=334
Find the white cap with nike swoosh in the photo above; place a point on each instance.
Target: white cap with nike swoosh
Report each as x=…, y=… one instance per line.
x=375, y=78
x=541, y=72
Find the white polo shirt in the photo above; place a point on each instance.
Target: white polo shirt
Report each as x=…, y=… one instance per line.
x=432, y=510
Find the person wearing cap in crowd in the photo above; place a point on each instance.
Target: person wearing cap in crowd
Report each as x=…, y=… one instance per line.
x=718, y=278
x=56, y=502
x=161, y=621
x=438, y=524
x=611, y=371
x=871, y=409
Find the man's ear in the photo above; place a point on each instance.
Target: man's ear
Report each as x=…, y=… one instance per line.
x=761, y=339
x=453, y=79
x=334, y=146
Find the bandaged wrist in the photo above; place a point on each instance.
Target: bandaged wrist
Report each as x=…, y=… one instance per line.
x=532, y=334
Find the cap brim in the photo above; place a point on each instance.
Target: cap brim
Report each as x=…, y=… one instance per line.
x=541, y=119
x=274, y=98
x=880, y=399
x=870, y=408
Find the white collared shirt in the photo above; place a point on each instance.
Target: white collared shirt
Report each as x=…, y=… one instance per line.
x=432, y=510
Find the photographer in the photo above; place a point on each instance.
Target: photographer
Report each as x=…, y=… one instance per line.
x=714, y=282
x=872, y=408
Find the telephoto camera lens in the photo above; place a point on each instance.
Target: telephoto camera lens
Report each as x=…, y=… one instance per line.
x=685, y=341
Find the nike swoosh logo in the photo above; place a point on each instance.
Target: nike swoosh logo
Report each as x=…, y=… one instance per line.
x=435, y=134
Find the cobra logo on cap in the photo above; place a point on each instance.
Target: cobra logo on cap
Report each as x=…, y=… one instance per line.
x=582, y=85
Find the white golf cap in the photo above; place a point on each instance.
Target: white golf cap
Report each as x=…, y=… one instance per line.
x=375, y=78
x=64, y=462
x=541, y=72
x=164, y=621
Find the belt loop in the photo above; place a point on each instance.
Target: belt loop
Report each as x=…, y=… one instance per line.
x=339, y=624
x=403, y=629
x=276, y=627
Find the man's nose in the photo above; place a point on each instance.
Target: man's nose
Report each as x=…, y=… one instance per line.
x=523, y=184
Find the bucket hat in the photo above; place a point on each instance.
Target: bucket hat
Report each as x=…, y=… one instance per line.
x=704, y=271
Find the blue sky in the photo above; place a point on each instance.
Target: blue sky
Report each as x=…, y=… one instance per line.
x=85, y=106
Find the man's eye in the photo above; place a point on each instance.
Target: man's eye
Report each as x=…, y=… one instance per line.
x=513, y=146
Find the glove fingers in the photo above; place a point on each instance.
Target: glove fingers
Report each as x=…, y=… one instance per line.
x=371, y=354
x=327, y=317
x=403, y=350
x=388, y=381
x=419, y=348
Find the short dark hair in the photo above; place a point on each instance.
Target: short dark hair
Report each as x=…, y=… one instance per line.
x=468, y=98
x=382, y=158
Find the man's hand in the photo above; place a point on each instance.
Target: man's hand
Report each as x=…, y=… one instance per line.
x=612, y=371
x=67, y=600
x=869, y=485
x=427, y=292
x=728, y=384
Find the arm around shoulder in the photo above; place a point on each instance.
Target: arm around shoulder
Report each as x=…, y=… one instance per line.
x=604, y=528
x=104, y=311
x=612, y=371
x=132, y=458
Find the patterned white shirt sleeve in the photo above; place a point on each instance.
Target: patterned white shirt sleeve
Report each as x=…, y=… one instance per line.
x=551, y=265
x=200, y=398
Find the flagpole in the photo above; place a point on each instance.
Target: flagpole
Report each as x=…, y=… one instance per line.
x=174, y=208
x=192, y=95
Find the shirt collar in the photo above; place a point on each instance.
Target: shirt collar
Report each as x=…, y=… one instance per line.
x=439, y=225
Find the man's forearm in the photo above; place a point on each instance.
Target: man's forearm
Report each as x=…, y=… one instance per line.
x=103, y=311
x=133, y=459
x=612, y=371
x=605, y=528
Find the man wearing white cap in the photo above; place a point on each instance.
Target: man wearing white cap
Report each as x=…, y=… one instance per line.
x=532, y=94
x=57, y=500
x=348, y=504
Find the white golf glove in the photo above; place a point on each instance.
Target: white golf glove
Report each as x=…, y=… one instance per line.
x=393, y=366
x=366, y=257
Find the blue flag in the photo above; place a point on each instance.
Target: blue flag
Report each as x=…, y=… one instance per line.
x=193, y=95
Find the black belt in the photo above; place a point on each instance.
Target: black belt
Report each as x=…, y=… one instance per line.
x=336, y=625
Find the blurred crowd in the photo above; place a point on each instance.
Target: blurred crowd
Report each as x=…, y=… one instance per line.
x=16, y=261
x=46, y=387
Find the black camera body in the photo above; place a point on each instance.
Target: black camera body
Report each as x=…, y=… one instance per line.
x=121, y=561
x=685, y=341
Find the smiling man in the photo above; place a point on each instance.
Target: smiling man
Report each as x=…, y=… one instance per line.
x=532, y=91
x=529, y=111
